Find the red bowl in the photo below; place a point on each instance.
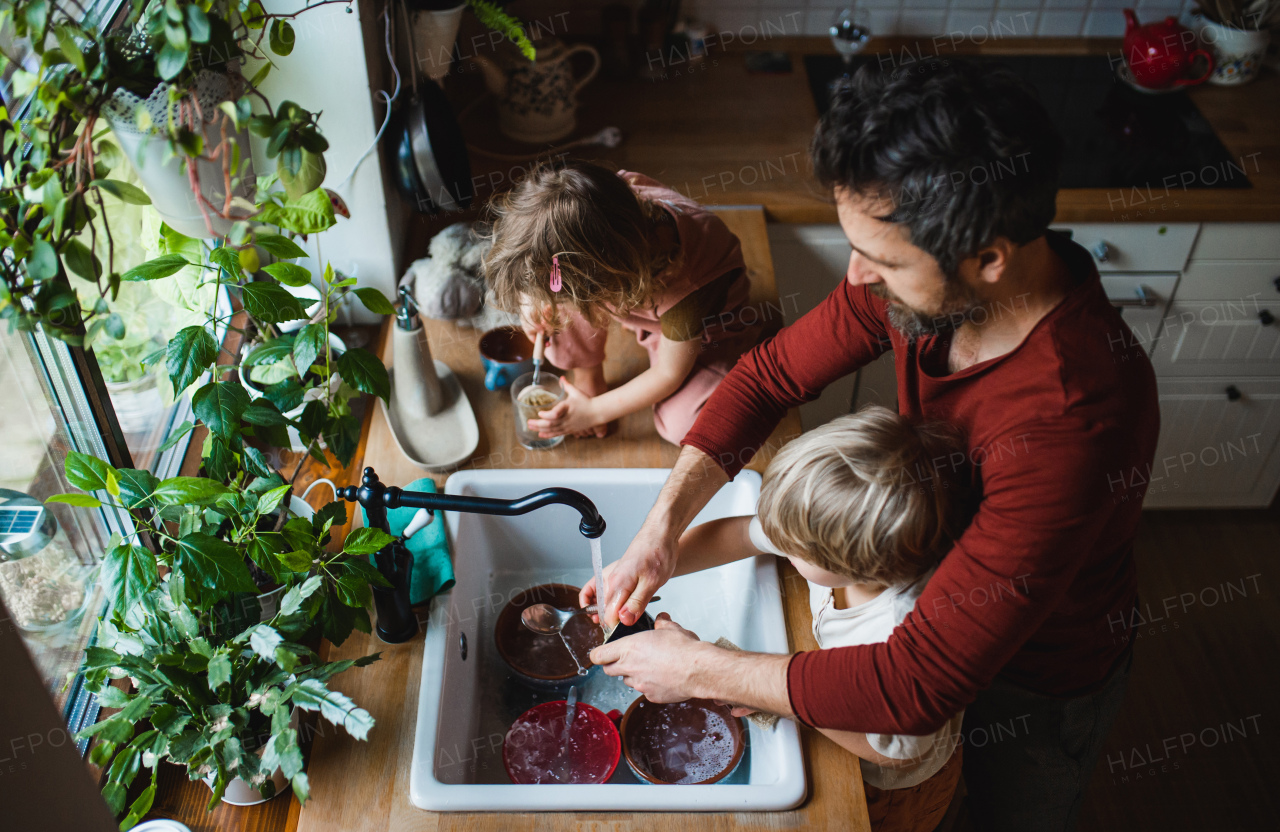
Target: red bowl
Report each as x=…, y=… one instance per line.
x=534, y=750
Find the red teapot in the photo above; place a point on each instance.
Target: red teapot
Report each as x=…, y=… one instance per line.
x=1159, y=55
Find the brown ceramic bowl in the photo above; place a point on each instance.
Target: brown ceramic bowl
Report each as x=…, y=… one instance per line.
x=545, y=661
x=686, y=743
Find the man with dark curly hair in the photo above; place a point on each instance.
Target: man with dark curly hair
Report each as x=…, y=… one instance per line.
x=945, y=183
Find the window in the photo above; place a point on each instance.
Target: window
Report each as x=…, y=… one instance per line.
x=48, y=561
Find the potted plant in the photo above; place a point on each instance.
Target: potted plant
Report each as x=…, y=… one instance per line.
x=217, y=680
x=1236, y=32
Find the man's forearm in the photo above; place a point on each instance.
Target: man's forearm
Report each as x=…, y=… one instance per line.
x=694, y=480
x=753, y=680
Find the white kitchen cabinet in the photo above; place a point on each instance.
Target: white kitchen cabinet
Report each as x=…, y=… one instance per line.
x=809, y=261
x=1136, y=246
x=1218, y=445
x=1220, y=338
x=1238, y=241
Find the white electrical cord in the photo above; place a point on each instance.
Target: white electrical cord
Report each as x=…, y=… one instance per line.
x=327, y=482
x=386, y=98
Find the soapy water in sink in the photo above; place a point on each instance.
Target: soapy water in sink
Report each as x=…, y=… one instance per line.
x=683, y=744
x=475, y=756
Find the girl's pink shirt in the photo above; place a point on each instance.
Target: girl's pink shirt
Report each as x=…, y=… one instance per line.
x=708, y=250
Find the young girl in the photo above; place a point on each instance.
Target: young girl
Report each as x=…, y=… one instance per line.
x=575, y=245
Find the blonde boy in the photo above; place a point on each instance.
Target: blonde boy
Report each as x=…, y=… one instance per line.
x=863, y=507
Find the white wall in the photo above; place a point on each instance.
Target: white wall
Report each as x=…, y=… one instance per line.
x=327, y=71
x=975, y=19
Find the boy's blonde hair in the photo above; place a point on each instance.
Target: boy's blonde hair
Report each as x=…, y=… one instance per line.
x=588, y=217
x=868, y=496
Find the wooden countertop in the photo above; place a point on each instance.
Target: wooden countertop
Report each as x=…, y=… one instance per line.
x=724, y=136
x=364, y=786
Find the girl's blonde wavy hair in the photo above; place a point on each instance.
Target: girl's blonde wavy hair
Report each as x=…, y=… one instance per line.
x=604, y=236
x=868, y=496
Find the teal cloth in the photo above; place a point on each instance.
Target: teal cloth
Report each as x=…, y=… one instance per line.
x=432, y=566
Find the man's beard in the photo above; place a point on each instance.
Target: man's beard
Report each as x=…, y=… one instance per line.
x=958, y=303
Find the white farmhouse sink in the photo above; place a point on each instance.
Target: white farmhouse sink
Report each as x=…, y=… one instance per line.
x=467, y=703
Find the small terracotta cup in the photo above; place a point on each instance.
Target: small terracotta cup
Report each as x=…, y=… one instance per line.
x=714, y=741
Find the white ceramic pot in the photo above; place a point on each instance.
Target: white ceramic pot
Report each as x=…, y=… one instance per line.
x=241, y=793
x=164, y=176
x=1237, y=53
x=433, y=35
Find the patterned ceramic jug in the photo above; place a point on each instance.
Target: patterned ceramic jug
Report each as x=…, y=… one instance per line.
x=538, y=101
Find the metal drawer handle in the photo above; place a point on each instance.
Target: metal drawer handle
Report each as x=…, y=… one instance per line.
x=1143, y=297
x=1101, y=251
x=1233, y=393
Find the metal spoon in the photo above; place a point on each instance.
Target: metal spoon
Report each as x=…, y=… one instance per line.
x=537, y=357
x=547, y=620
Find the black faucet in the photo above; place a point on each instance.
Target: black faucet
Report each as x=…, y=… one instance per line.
x=396, y=621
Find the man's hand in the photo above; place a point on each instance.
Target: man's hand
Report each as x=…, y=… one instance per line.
x=657, y=663
x=648, y=563
x=670, y=664
x=651, y=559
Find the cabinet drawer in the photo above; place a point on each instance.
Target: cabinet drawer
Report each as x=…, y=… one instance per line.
x=1219, y=338
x=1135, y=247
x=1242, y=279
x=1238, y=241
x=1216, y=450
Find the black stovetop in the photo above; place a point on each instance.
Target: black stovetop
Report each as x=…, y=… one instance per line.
x=1113, y=135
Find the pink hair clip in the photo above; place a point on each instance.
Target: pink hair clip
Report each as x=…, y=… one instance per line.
x=556, y=282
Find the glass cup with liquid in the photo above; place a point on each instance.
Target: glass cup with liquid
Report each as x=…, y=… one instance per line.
x=528, y=399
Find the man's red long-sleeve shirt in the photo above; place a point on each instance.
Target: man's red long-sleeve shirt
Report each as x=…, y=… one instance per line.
x=1061, y=433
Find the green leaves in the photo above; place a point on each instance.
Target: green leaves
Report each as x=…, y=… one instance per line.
x=375, y=301
x=307, y=346
x=281, y=37
x=88, y=473
x=220, y=404
x=280, y=246
x=292, y=601
x=162, y=266
x=122, y=191
x=79, y=500
x=313, y=695
x=366, y=541
x=195, y=491
x=311, y=214
x=170, y=62
x=81, y=260
x=290, y=274
x=129, y=572
x=264, y=640
x=214, y=563
x=499, y=21
x=271, y=500
x=219, y=669
x=190, y=352
x=42, y=261
x=365, y=372
x=271, y=302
